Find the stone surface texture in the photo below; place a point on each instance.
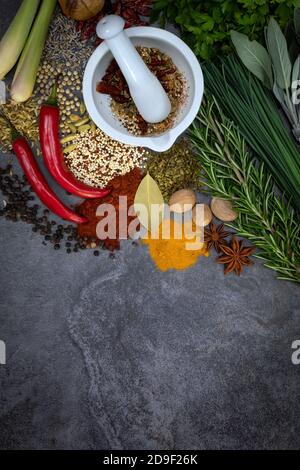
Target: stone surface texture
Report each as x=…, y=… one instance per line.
x=112, y=354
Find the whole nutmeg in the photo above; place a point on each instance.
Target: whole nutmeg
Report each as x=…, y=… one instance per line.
x=223, y=209
x=81, y=10
x=182, y=201
x=207, y=216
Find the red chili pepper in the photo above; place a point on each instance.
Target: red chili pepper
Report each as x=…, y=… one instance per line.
x=53, y=154
x=107, y=89
x=37, y=180
x=130, y=15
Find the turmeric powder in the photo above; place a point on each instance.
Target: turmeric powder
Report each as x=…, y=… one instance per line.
x=172, y=252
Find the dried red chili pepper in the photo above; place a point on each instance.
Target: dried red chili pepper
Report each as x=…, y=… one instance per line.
x=130, y=10
x=163, y=73
x=53, y=154
x=107, y=89
x=121, y=98
x=118, y=8
x=130, y=15
x=144, y=10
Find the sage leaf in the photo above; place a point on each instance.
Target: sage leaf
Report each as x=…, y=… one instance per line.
x=296, y=70
x=279, y=94
x=149, y=204
x=254, y=56
x=285, y=100
x=277, y=47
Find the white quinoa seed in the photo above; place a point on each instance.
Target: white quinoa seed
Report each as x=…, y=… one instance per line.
x=97, y=158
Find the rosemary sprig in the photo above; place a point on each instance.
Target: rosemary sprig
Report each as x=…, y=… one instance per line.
x=231, y=173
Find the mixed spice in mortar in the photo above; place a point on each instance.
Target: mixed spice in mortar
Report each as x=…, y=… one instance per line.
x=114, y=84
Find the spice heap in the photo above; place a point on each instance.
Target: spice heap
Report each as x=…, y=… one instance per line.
x=121, y=186
x=130, y=10
x=114, y=84
x=68, y=90
x=173, y=252
x=24, y=116
x=19, y=204
x=64, y=44
x=133, y=10
x=175, y=169
x=97, y=158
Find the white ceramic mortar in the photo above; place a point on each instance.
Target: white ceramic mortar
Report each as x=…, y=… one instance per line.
x=98, y=105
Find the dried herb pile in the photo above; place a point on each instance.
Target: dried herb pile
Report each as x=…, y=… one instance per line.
x=24, y=116
x=175, y=169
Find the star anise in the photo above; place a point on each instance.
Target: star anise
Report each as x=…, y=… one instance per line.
x=215, y=236
x=235, y=256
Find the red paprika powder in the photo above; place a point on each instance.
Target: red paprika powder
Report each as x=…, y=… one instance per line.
x=125, y=185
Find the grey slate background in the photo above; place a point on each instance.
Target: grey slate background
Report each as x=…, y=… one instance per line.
x=112, y=354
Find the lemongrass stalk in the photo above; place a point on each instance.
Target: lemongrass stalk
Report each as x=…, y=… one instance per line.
x=26, y=72
x=14, y=39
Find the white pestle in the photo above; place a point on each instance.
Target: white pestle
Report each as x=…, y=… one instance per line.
x=145, y=89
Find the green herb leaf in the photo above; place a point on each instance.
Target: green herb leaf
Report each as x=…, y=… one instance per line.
x=254, y=56
x=296, y=70
x=277, y=47
x=279, y=93
x=215, y=18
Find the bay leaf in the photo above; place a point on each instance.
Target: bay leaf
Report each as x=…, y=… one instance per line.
x=149, y=203
x=254, y=56
x=277, y=47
